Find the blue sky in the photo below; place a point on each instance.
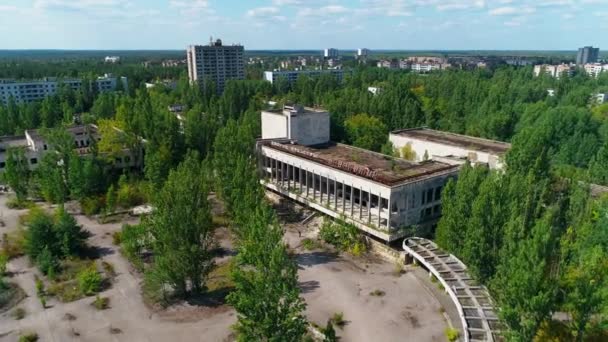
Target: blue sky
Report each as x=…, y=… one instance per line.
x=304, y=24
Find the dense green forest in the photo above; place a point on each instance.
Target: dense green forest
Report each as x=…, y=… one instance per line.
x=531, y=233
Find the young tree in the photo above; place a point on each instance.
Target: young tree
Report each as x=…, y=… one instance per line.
x=69, y=235
x=266, y=296
x=366, y=131
x=110, y=199
x=181, y=229
x=16, y=173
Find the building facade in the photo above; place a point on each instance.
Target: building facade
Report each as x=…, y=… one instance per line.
x=292, y=75
x=30, y=91
x=424, y=143
x=587, y=54
x=383, y=196
x=556, y=71
x=595, y=69
x=215, y=63
x=35, y=146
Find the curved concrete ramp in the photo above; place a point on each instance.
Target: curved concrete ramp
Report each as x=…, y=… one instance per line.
x=477, y=313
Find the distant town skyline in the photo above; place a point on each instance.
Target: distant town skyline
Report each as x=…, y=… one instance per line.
x=305, y=24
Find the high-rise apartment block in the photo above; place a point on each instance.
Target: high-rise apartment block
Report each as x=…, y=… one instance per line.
x=215, y=63
x=331, y=53
x=587, y=54
x=363, y=53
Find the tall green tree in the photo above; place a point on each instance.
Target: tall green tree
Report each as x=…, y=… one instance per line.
x=266, y=296
x=181, y=229
x=17, y=172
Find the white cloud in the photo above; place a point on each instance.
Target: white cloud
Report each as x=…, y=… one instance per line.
x=7, y=8
x=509, y=10
x=78, y=5
x=262, y=11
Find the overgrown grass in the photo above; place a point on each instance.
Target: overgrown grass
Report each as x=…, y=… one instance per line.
x=452, y=334
x=101, y=303
x=310, y=244
x=18, y=313
x=219, y=278
x=13, y=244
x=220, y=221
x=14, y=203
x=117, y=238
x=377, y=293
x=28, y=337
x=76, y=280
x=338, y=320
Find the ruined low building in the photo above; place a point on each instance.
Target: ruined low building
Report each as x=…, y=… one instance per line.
x=423, y=143
x=381, y=195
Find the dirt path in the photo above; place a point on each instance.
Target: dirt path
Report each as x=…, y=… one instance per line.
x=131, y=320
x=330, y=283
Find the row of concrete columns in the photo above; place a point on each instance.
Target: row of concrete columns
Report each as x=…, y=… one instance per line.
x=284, y=174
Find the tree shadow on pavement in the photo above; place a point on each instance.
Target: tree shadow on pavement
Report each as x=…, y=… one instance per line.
x=308, y=286
x=315, y=258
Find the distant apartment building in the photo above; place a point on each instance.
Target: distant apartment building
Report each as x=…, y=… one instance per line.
x=600, y=98
x=331, y=53
x=595, y=69
x=35, y=146
x=388, y=64
x=427, y=67
x=587, y=54
x=215, y=63
x=112, y=59
x=426, y=59
x=375, y=90
x=556, y=71
x=334, y=63
x=363, y=53
x=292, y=75
x=30, y=91
x=380, y=195
x=173, y=63
x=424, y=143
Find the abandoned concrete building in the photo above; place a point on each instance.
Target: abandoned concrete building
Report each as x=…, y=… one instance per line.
x=35, y=146
x=381, y=195
x=439, y=145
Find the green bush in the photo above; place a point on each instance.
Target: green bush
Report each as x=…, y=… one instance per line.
x=29, y=337
x=452, y=334
x=329, y=332
x=47, y=262
x=89, y=281
x=343, y=236
x=129, y=194
x=92, y=205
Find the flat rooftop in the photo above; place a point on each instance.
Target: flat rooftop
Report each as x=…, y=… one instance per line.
x=13, y=141
x=77, y=130
x=296, y=109
x=459, y=140
x=367, y=164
